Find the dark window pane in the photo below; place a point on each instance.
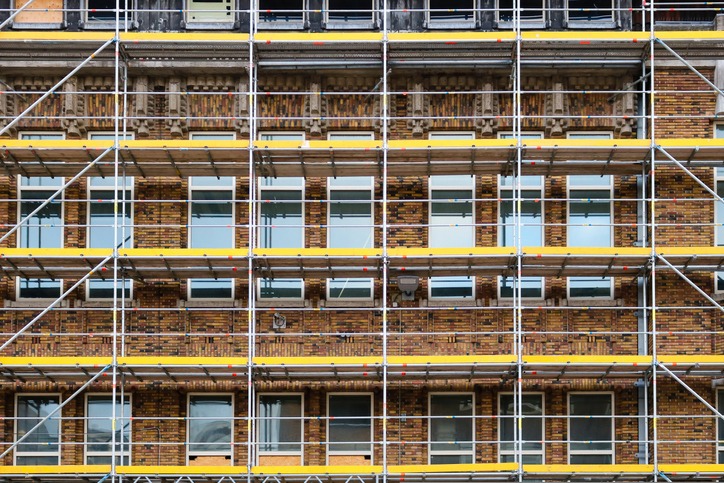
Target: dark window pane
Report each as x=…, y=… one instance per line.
x=280, y=423
x=451, y=10
x=280, y=11
x=350, y=10
x=350, y=428
x=451, y=433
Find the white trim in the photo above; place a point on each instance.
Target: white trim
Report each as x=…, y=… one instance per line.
x=57, y=416
x=612, y=452
x=259, y=443
x=126, y=448
x=371, y=453
x=300, y=134
x=189, y=453
x=124, y=19
x=603, y=23
x=433, y=23
x=542, y=451
x=296, y=24
x=430, y=452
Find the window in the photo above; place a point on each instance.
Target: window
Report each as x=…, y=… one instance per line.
x=42, y=446
x=349, y=425
x=356, y=14
x=351, y=223
x=584, y=13
x=104, y=11
x=210, y=11
x=281, y=424
x=45, y=228
x=531, y=220
x=533, y=430
x=451, y=428
x=590, y=429
x=281, y=222
x=101, y=193
x=532, y=13
x=452, y=224
x=590, y=223
x=99, y=429
x=719, y=209
x=720, y=427
x=283, y=14
x=211, y=222
x=210, y=426
x=450, y=14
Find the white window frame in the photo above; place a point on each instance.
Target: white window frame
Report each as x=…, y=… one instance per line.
x=542, y=451
x=223, y=136
x=719, y=443
x=597, y=24
x=58, y=416
x=371, y=453
x=524, y=24
x=473, y=419
x=282, y=24
x=718, y=176
x=188, y=426
x=259, y=189
x=125, y=454
x=126, y=20
x=210, y=23
x=365, y=24
x=452, y=136
x=433, y=23
x=612, y=452
x=593, y=135
x=259, y=452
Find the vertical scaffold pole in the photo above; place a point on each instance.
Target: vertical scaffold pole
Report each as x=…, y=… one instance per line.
x=385, y=260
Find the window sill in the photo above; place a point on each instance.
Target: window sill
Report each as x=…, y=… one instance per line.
x=592, y=24
x=449, y=303
x=273, y=303
x=592, y=302
x=523, y=25
x=209, y=26
x=37, y=26
x=281, y=25
x=210, y=303
x=98, y=25
x=352, y=25
x=362, y=303
x=451, y=25
x=525, y=301
x=34, y=303
x=105, y=303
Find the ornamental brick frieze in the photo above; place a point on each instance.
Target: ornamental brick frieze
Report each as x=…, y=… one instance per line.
x=7, y=107
x=281, y=102
x=625, y=106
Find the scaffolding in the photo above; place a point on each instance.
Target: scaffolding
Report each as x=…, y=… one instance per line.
x=639, y=153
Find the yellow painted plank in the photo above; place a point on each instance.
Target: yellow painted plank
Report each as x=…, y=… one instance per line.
x=589, y=360
x=584, y=36
x=415, y=144
x=449, y=37
x=587, y=469
x=317, y=361
x=185, y=144
x=447, y=252
x=56, y=361
x=691, y=143
x=452, y=468
x=317, y=470
x=319, y=252
x=588, y=251
x=181, y=470
x=686, y=251
x=588, y=143
x=229, y=253
x=55, y=470
x=361, y=145
x=421, y=360
x=693, y=35
x=34, y=35
x=674, y=360
x=182, y=361
x=55, y=252
x=202, y=37
x=321, y=37
x=691, y=468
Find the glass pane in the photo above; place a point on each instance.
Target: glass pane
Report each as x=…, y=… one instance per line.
x=212, y=181
x=531, y=10
x=525, y=182
x=350, y=219
x=345, y=181
x=110, y=182
x=103, y=289
x=282, y=182
x=281, y=222
x=280, y=11
x=104, y=11
x=532, y=422
x=591, y=459
x=451, y=10
x=451, y=433
x=43, y=229
x=212, y=136
x=719, y=422
x=530, y=218
x=210, y=424
x=37, y=460
x=31, y=410
x=350, y=288
x=39, y=288
x=451, y=135
x=100, y=233
x=589, y=219
x=720, y=281
x=280, y=288
x=451, y=220
x=109, y=137
x=99, y=412
x=212, y=219
x=597, y=431
x=586, y=287
x=531, y=287
x=528, y=459
x=586, y=181
x=719, y=211
x=453, y=181
x=41, y=136
x=351, y=426
x=350, y=10
x=589, y=10
x=450, y=459
x=345, y=136
x=282, y=136
x=209, y=288
x=280, y=424
x=451, y=287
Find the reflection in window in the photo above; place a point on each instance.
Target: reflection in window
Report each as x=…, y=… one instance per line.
x=350, y=424
x=105, y=11
x=591, y=429
x=99, y=410
x=590, y=11
x=210, y=425
x=339, y=11
x=532, y=428
x=451, y=12
x=531, y=12
x=42, y=446
x=451, y=428
x=281, y=12
x=280, y=424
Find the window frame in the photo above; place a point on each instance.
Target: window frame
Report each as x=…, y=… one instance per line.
x=612, y=214
x=125, y=17
x=210, y=23
x=589, y=24
x=452, y=136
x=524, y=24
x=367, y=24
x=225, y=136
x=372, y=428
x=59, y=416
x=126, y=450
x=188, y=426
x=282, y=24
x=433, y=24
x=719, y=443
x=473, y=420
x=259, y=452
x=612, y=417
x=542, y=451
x=718, y=207
x=260, y=225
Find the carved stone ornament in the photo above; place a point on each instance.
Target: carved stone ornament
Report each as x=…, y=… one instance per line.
x=74, y=109
x=315, y=110
x=625, y=106
x=241, y=108
x=141, y=107
x=418, y=110
x=7, y=107
x=557, y=108
x=487, y=109
x=177, y=108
